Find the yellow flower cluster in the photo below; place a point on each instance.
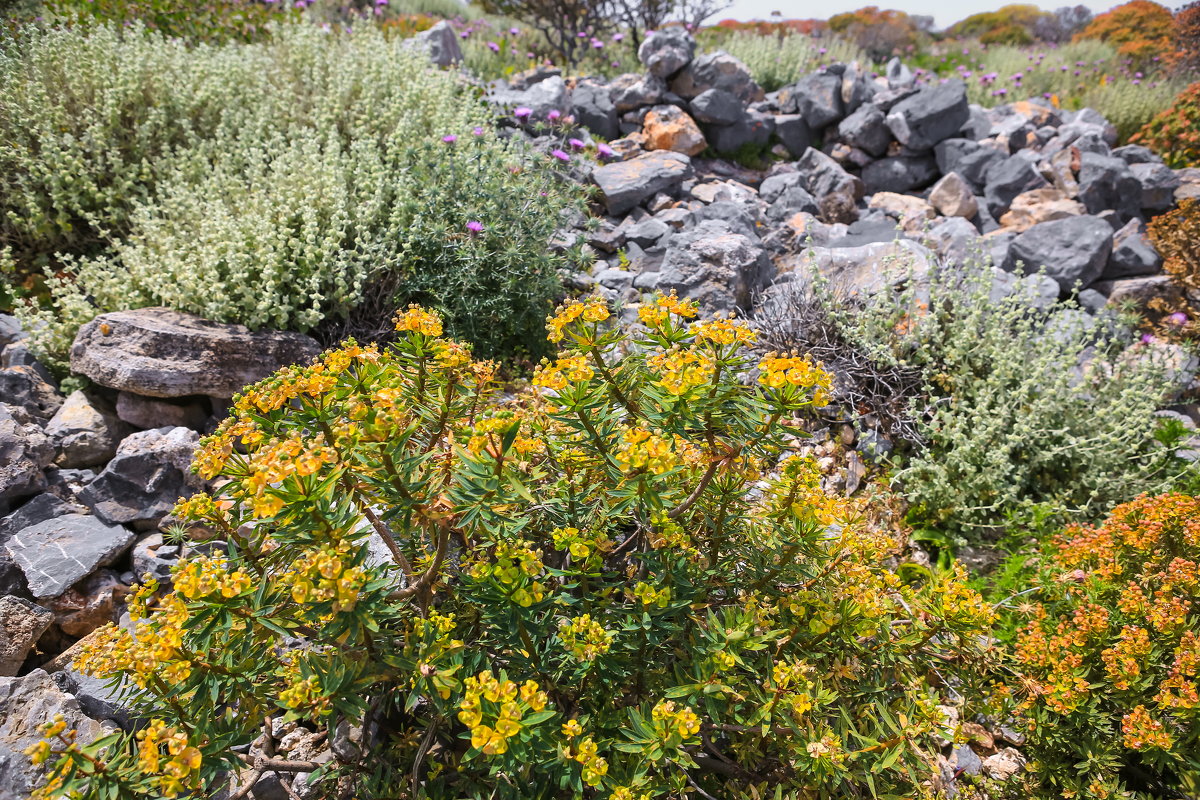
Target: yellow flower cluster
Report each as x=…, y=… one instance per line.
x=487, y=434
x=419, y=320
x=682, y=369
x=327, y=574
x=594, y=309
x=516, y=568
x=150, y=651
x=1123, y=661
x=564, y=371
x=174, y=771
x=305, y=693
x=507, y=707
x=676, y=719
x=276, y=461
x=786, y=372
x=587, y=753
x=725, y=332
x=580, y=545
x=655, y=313
x=40, y=752
x=585, y=638
x=651, y=596
x=640, y=450
x=627, y=793
x=200, y=577
x=1143, y=732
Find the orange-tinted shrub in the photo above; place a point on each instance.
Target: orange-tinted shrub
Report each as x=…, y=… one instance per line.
x=881, y=32
x=1187, y=36
x=1175, y=133
x=1140, y=29
x=1176, y=236
x=1110, y=655
x=1002, y=26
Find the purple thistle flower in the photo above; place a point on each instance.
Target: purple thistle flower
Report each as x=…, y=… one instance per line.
x=449, y=138
x=605, y=151
x=515, y=31
x=560, y=155
x=464, y=35
x=475, y=226
x=522, y=112
x=617, y=37
x=576, y=144
x=495, y=48
x=477, y=130
x=1148, y=338
x=554, y=115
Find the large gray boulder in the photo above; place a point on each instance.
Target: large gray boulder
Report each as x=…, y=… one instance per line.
x=149, y=473
x=793, y=133
x=439, y=43
x=1132, y=254
x=22, y=623
x=899, y=174
x=866, y=130
x=929, y=116
x=593, y=108
x=27, y=703
x=25, y=450
x=816, y=97
x=60, y=552
x=1158, y=182
x=625, y=184
x=158, y=352
x=717, y=70
x=667, y=51
x=86, y=431
x=718, y=107
x=754, y=129
x=837, y=191
x=863, y=270
x=25, y=387
x=541, y=98
x=1011, y=177
x=711, y=264
x=632, y=91
x=968, y=158
x=1071, y=250
x=1107, y=183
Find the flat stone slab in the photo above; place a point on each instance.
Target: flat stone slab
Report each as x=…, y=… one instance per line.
x=58, y=553
x=158, y=352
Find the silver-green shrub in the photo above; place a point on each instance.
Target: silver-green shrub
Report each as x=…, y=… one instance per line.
x=273, y=184
x=1024, y=410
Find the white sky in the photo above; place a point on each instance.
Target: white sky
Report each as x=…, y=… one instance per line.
x=944, y=12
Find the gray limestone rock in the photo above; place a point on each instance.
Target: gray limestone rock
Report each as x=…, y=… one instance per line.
x=149, y=473
x=58, y=553
x=625, y=184
x=1071, y=250
x=159, y=352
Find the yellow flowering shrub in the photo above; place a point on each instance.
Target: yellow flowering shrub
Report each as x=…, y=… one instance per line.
x=616, y=582
x=1109, y=655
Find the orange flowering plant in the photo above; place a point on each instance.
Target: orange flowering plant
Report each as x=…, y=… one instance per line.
x=615, y=583
x=1109, y=656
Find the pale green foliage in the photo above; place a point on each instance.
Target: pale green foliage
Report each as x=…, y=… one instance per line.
x=1021, y=408
x=776, y=61
x=272, y=184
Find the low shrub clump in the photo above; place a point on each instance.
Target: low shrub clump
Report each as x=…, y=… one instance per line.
x=1176, y=236
x=1109, y=657
x=205, y=21
x=606, y=586
x=1175, y=133
x=1023, y=411
x=284, y=183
